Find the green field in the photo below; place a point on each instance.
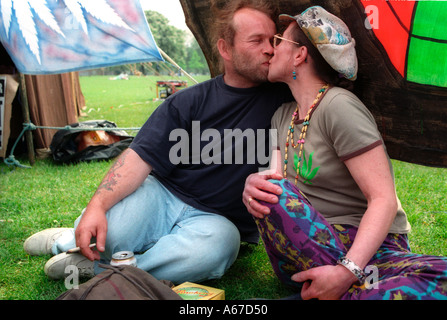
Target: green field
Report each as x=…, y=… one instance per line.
x=50, y=195
x=128, y=103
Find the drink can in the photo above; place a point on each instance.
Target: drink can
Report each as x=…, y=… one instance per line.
x=123, y=258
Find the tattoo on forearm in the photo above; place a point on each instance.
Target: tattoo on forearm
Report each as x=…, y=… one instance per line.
x=110, y=179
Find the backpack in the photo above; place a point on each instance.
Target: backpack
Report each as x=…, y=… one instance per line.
x=71, y=146
x=122, y=283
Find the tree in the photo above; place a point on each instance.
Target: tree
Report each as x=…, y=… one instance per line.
x=173, y=41
x=196, y=61
x=168, y=38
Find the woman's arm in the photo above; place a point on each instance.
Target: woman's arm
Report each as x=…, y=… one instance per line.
x=372, y=173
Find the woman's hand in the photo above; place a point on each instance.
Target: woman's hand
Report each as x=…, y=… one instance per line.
x=325, y=283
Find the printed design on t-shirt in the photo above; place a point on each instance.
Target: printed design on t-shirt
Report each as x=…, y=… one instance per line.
x=306, y=171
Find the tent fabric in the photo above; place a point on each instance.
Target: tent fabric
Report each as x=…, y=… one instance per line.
x=428, y=43
x=383, y=17
x=54, y=101
x=413, y=33
x=9, y=85
x=58, y=36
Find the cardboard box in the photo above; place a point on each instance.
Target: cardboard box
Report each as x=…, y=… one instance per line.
x=194, y=291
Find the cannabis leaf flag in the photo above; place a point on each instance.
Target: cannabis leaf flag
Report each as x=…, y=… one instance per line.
x=56, y=36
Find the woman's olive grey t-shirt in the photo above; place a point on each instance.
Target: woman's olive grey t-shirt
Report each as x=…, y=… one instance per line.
x=340, y=127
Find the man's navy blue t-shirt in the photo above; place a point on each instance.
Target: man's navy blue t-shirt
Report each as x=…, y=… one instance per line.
x=203, y=142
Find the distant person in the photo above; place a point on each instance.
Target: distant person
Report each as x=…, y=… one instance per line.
x=184, y=221
x=336, y=227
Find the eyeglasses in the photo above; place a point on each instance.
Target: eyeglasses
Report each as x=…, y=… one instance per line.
x=277, y=38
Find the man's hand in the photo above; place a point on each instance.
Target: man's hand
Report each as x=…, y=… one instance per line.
x=258, y=188
x=92, y=225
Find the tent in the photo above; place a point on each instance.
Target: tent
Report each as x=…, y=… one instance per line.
x=60, y=91
x=49, y=41
x=402, y=52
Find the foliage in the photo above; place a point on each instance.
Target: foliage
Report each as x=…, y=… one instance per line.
x=185, y=52
x=196, y=62
x=170, y=39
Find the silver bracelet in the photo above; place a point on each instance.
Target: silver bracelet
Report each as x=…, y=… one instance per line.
x=355, y=269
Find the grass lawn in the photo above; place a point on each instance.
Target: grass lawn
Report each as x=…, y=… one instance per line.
x=50, y=195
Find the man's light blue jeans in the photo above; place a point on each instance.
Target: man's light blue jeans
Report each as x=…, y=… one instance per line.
x=171, y=240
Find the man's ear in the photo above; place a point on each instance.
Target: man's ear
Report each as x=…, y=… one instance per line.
x=224, y=49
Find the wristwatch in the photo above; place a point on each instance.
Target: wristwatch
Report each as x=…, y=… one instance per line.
x=355, y=269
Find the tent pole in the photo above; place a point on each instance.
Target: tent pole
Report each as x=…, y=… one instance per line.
x=176, y=65
x=26, y=119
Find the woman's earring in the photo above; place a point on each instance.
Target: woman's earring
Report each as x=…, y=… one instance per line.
x=294, y=75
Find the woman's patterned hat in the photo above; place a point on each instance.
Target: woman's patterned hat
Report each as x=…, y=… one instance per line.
x=331, y=36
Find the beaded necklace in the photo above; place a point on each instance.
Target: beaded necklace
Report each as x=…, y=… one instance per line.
x=301, y=140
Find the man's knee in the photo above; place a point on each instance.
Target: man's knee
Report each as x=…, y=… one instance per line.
x=216, y=254
x=226, y=248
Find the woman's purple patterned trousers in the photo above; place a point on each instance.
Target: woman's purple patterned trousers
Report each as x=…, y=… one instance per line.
x=298, y=238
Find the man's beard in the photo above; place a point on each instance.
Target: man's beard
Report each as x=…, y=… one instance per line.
x=247, y=68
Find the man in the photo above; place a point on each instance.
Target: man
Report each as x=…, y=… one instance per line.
x=183, y=217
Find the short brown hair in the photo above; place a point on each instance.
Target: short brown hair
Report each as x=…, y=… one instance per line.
x=223, y=13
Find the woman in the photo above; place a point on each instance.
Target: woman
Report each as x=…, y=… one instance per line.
x=350, y=240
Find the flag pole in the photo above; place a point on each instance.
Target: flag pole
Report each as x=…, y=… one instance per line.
x=176, y=65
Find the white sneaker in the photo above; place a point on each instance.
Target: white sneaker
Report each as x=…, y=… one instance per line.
x=55, y=267
x=41, y=242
